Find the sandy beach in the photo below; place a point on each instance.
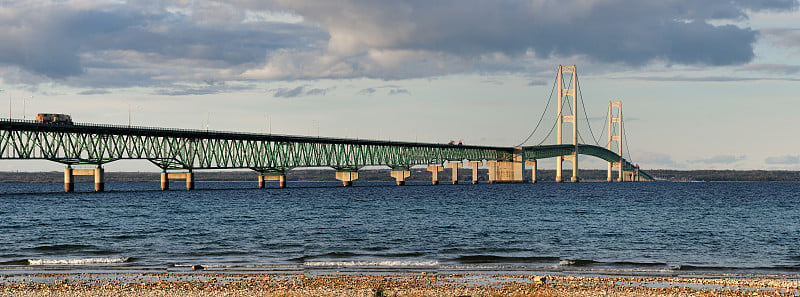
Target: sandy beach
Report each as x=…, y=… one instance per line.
x=397, y=284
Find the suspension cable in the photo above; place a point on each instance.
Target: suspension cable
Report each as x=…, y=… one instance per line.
x=542, y=117
x=603, y=130
x=625, y=133
x=585, y=115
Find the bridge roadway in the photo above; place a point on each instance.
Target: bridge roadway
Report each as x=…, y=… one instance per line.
x=270, y=155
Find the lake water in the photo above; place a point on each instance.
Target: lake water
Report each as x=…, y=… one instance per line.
x=649, y=228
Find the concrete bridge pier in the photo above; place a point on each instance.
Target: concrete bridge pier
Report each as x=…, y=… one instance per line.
x=164, y=181
x=533, y=165
x=454, y=166
x=188, y=176
x=281, y=179
x=69, y=178
x=474, y=165
x=69, y=182
x=347, y=177
x=435, y=173
x=99, y=184
x=400, y=176
x=574, y=160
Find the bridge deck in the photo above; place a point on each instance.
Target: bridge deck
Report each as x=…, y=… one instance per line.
x=84, y=144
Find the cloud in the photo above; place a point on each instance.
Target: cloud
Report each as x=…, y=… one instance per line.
x=161, y=44
x=94, y=92
x=628, y=31
x=783, y=160
x=300, y=91
x=722, y=159
x=788, y=37
x=656, y=159
x=367, y=91
x=210, y=87
x=681, y=78
x=771, y=68
x=169, y=40
x=399, y=91
x=393, y=90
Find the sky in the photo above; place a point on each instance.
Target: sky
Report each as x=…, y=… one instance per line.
x=705, y=84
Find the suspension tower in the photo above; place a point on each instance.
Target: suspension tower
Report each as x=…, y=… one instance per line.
x=612, y=122
x=563, y=93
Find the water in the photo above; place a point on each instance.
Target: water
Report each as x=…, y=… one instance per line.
x=565, y=228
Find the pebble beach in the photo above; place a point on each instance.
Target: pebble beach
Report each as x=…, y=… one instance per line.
x=397, y=284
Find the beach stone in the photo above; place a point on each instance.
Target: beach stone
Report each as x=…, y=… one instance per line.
x=540, y=279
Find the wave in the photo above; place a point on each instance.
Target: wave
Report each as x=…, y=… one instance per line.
x=724, y=268
x=15, y=262
x=482, y=259
x=333, y=255
x=577, y=263
x=79, y=261
x=367, y=263
x=62, y=247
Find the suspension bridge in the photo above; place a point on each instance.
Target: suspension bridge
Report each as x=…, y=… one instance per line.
x=84, y=148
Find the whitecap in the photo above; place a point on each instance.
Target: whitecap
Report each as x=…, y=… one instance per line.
x=78, y=261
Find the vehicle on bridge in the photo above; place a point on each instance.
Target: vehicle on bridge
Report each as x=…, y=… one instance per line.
x=54, y=118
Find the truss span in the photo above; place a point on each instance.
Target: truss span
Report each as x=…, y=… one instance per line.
x=87, y=144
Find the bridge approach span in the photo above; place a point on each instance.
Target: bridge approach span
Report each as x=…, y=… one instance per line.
x=268, y=154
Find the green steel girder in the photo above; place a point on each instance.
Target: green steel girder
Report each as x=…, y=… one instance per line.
x=191, y=149
x=551, y=151
x=84, y=144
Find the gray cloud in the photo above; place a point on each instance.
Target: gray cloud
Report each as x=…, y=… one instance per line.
x=653, y=160
x=300, y=91
x=163, y=43
x=399, y=91
x=722, y=159
x=788, y=37
x=632, y=32
x=94, y=92
x=367, y=91
x=771, y=68
x=210, y=87
x=61, y=40
x=393, y=90
x=783, y=160
x=708, y=78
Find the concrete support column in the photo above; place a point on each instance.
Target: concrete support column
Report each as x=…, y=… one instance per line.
x=609, y=176
x=559, y=168
x=281, y=179
x=574, y=160
x=347, y=177
x=454, y=166
x=99, y=185
x=189, y=180
x=400, y=176
x=575, y=177
x=435, y=173
x=533, y=165
x=69, y=181
x=493, y=174
x=474, y=165
x=164, y=181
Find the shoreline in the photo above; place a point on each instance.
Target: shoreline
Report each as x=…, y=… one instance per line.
x=398, y=284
